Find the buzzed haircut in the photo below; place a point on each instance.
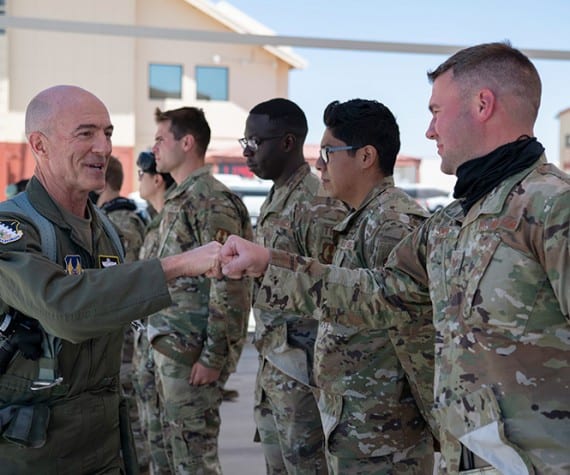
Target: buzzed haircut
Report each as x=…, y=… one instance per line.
x=114, y=174
x=505, y=69
x=361, y=122
x=285, y=115
x=187, y=121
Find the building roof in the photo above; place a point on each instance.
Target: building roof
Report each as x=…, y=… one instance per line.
x=239, y=22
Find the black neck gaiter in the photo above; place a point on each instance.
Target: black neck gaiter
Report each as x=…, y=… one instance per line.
x=477, y=177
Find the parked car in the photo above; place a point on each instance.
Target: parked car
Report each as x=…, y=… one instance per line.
x=431, y=198
x=252, y=191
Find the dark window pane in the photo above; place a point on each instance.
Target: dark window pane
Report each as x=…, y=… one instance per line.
x=211, y=83
x=165, y=81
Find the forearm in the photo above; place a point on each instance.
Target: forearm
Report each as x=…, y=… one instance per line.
x=79, y=307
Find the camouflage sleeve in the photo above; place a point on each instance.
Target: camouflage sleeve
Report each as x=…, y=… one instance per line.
x=357, y=297
x=229, y=299
x=381, y=237
x=555, y=252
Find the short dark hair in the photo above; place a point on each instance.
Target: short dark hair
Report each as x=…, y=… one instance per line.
x=284, y=114
x=146, y=161
x=187, y=121
x=504, y=68
x=114, y=174
x=361, y=122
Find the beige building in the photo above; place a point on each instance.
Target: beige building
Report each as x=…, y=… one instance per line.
x=135, y=75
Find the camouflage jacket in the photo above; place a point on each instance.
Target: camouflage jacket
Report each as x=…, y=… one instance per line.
x=130, y=227
x=296, y=217
x=208, y=316
x=354, y=365
x=497, y=280
x=150, y=243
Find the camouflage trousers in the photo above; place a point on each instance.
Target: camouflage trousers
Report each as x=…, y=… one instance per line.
x=127, y=383
x=417, y=460
x=191, y=418
x=148, y=409
x=288, y=424
x=350, y=430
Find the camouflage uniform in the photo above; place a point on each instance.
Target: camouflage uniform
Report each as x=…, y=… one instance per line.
x=497, y=280
x=207, y=323
x=295, y=218
x=151, y=432
x=368, y=434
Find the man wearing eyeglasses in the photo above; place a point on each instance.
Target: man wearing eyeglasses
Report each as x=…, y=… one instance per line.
x=296, y=217
x=371, y=421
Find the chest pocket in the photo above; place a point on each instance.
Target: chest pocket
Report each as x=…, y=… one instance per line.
x=177, y=233
x=277, y=232
x=494, y=285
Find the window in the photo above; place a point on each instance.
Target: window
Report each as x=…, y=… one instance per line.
x=567, y=141
x=2, y=12
x=165, y=81
x=211, y=83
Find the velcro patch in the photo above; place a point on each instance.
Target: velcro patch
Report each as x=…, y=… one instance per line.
x=73, y=264
x=10, y=231
x=108, y=261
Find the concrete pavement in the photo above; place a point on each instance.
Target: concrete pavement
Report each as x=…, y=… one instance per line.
x=239, y=455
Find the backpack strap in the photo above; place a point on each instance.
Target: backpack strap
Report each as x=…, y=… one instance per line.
x=21, y=204
x=111, y=231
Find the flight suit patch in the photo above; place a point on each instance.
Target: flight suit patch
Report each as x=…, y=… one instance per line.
x=10, y=231
x=73, y=264
x=108, y=261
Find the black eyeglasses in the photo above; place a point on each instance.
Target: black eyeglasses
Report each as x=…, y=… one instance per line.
x=326, y=150
x=141, y=172
x=254, y=143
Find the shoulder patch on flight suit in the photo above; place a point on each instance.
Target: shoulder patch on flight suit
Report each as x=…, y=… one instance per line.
x=9, y=231
x=73, y=264
x=221, y=235
x=108, y=261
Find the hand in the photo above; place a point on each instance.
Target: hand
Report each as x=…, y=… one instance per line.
x=240, y=257
x=201, y=260
x=201, y=374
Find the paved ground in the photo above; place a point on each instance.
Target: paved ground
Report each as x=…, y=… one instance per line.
x=238, y=453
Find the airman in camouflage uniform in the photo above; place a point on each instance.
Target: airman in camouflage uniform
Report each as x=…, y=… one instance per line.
x=153, y=187
x=196, y=342
x=296, y=217
x=493, y=266
x=367, y=434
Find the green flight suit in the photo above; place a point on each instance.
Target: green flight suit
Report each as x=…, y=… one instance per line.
x=86, y=307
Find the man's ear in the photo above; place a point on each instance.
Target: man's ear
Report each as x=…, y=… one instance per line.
x=486, y=102
x=188, y=142
x=368, y=156
x=38, y=144
x=289, y=142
